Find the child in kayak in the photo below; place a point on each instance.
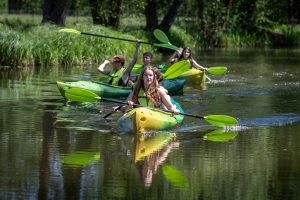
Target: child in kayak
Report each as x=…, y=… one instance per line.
x=185, y=53
x=148, y=92
x=119, y=75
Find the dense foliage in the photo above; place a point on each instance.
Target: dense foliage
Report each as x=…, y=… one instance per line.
x=210, y=22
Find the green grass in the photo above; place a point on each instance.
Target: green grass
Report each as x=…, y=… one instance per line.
x=44, y=45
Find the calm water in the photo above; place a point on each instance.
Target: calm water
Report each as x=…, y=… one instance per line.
x=54, y=151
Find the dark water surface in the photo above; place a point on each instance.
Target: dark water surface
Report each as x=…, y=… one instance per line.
x=54, y=151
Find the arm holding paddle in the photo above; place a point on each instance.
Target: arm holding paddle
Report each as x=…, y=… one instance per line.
x=126, y=73
x=197, y=66
x=175, y=56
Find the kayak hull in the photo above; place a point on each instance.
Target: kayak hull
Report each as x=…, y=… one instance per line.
x=194, y=76
x=174, y=86
x=141, y=119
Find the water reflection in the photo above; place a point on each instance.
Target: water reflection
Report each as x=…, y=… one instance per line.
x=80, y=158
x=149, y=152
x=220, y=135
x=259, y=160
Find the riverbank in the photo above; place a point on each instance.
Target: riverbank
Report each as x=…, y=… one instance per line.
x=45, y=45
x=29, y=44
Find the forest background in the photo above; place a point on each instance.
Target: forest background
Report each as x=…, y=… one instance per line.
x=29, y=28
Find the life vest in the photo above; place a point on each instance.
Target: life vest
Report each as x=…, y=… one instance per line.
x=143, y=100
x=114, y=76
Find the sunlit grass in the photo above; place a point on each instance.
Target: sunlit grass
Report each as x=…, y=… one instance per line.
x=45, y=45
x=291, y=33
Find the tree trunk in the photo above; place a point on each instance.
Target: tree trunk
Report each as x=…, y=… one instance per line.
x=151, y=15
x=246, y=21
x=14, y=6
x=114, y=17
x=55, y=11
x=294, y=11
x=97, y=12
x=169, y=18
x=228, y=6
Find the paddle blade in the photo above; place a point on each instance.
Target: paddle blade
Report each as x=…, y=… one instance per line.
x=217, y=70
x=168, y=46
x=221, y=120
x=161, y=36
x=175, y=177
x=177, y=69
x=81, y=95
x=67, y=30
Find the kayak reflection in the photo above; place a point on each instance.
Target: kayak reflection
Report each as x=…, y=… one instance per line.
x=148, y=152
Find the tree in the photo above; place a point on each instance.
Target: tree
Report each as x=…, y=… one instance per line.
x=168, y=20
x=55, y=11
x=151, y=15
x=106, y=12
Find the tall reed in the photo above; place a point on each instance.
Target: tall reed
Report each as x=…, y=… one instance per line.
x=45, y=45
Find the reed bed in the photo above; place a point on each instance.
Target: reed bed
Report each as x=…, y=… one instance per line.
x=45, y=45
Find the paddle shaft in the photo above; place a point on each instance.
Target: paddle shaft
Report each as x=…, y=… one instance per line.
x=138, y=105
x=78, y=94
x=118, y=108
x=91, y=34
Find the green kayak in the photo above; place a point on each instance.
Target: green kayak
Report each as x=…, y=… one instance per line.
x=174, y=86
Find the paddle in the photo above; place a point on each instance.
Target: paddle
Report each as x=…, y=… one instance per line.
x=118, y=108
x=169, y=46
x=176, y=69
x=82, y=95
x=218, y=70
x=161, y=36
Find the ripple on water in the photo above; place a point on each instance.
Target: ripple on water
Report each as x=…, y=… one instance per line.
x=275, y=120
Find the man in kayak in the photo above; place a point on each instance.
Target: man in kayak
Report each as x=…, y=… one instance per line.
x=186, y=54
x=148, y=92
x=119, y=75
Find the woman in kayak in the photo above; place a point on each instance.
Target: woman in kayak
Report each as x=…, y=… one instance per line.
x=119, y=75
x=148, y=92
x=186, y=54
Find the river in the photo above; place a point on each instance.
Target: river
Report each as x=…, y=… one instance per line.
x=50, y=150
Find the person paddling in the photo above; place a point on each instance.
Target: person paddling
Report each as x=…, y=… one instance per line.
x=186, y=54
x=119, y=75
x=148, y=92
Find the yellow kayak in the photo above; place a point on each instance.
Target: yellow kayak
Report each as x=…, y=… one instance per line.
x=193, y=76
x=142, y=119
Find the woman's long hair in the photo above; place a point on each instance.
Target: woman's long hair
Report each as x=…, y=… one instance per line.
x=152, y=93
x=190, y=58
